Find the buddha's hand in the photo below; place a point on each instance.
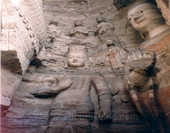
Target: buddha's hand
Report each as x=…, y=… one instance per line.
x=140, y=60
x=65, y=82
x=105, y=115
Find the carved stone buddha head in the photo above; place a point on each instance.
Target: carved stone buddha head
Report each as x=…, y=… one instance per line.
x=76, y=56
x=146, y=18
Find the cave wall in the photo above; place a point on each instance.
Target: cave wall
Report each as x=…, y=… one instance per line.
x=59, y=18
x=21, y=41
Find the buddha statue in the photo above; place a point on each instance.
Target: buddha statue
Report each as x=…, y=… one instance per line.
x=148, y=68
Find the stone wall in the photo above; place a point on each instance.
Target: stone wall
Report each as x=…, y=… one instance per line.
x=22, y=37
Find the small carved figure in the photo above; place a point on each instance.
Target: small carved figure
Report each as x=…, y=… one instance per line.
x=122, y=3
x=79, y=31
x=104, y=30
x=117, y=56
x=72, y=109
x=77, y=4
x=148, y=78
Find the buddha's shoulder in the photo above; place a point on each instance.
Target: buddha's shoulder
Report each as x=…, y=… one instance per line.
x=160, y=38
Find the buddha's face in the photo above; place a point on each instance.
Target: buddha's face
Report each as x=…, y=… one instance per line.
x=142, y=16
x=76, y=59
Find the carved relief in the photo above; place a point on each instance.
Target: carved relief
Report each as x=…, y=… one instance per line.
x=117, y=56
x=67, y=88
x=100, y=55
x=26, y=42
x=79, y=31
x=104, y=30
x=34, y=14
x=122, y=3
x=30, y=34
x=72, y=95
x=78, y=4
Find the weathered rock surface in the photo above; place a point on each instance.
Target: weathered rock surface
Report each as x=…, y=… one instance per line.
x=23, y=35
x=29, y=113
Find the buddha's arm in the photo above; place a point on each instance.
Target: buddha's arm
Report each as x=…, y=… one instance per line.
x=105, y=96
x=54, y=89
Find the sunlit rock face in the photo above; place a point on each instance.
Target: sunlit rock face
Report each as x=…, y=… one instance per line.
x=76, y=82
